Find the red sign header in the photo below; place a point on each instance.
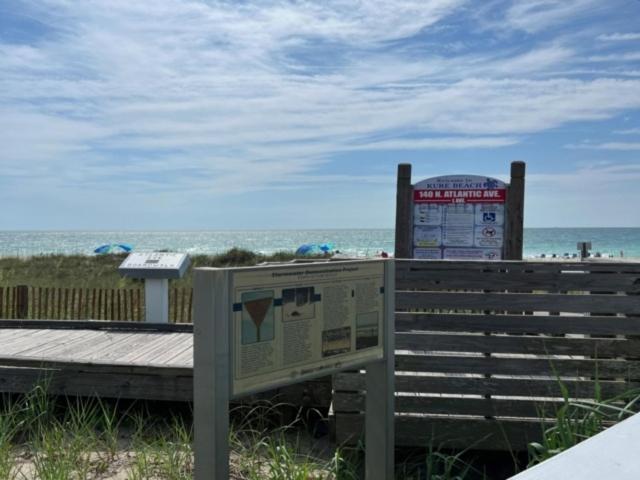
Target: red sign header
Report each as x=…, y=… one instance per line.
x=476, y=195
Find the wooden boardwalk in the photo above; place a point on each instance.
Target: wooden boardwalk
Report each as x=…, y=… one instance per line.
x=115, y=359
x=111, y=359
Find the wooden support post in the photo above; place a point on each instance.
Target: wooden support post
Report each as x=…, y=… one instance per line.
x=514, y=228
x=22, y=302
x=211, y=382
x=380, y=401
x=404, y=200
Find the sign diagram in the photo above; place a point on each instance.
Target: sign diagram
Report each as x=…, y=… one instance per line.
x=294, y=321
x=459, y=217
x=257, y=314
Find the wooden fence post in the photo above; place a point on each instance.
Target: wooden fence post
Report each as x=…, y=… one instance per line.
x=22, y=302
x=404, y=199
x=514, y=231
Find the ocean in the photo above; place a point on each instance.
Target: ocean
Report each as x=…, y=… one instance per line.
x=357, y=242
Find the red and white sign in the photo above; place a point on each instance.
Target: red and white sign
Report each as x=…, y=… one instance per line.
x=461, y=215
x=498, y=195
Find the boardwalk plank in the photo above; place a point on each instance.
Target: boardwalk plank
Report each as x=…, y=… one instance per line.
x=47, y=342
x=174, y=348
x=139, y=356
x=120, y=345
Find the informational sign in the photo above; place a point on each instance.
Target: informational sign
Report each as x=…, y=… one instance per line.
x=265, y=327
x=288, y=323
x=459, y=217
x=154, y=265
x=156, y=268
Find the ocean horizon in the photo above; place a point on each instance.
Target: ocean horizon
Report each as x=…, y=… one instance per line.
x=615, y=242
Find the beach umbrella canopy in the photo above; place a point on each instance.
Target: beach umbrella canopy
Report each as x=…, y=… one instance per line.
x=326, y=247
x=314, y=248
x=113, y=247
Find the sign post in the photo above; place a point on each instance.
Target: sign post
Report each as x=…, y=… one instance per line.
x=156, y=268
x=261, y=328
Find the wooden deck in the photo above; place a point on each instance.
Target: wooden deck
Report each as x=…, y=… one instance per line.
x=113, y=359
x=110, y=359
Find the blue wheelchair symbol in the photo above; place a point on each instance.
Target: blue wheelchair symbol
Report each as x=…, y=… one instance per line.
x=489, y=217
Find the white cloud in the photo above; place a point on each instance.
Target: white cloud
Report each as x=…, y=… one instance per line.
x=444, y=143
x=535, y=15
x=619, y=37
x=615, y=57
x=589, y=196
x=246, y=95
x=628, y=131
x=621, y=146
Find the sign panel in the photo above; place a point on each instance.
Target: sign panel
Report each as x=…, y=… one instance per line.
x=297, y=321
x=459, y=217
x=154, y=265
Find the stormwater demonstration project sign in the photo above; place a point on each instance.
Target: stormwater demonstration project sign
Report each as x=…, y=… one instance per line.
x=259, y=328
x=459, y=217
x=290, y=323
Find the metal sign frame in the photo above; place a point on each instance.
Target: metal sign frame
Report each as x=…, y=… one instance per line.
x=213, y=383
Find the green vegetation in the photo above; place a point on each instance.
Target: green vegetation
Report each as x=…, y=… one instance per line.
x=60, y=439
x=578, y=420
x=75, y=438
x=101, y=271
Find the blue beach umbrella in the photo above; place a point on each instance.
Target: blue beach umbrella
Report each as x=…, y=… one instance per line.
x=326, y=247
x=314, y=248
x=113, y=247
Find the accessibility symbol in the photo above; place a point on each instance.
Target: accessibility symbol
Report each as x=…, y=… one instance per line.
x=489, y=217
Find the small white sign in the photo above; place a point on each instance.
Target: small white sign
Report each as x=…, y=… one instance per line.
x=457, y=236
x=471, y=254
x=425, y=236
x=427, y=253
x=461, y=214
x=154, y=265
x=427, y=214
x=488, y=236
x=489, y=214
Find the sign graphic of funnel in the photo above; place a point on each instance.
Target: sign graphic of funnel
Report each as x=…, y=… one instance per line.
x=257, y=318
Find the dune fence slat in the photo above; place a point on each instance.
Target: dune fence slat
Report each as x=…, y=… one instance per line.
x=485, y=350
x=56, y=303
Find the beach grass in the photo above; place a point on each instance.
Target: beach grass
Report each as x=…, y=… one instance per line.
x=577, y=420
x=101, y=271
x=50, y=438
x=54, y=438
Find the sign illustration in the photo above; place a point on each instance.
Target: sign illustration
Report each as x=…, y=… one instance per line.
x=295, y=321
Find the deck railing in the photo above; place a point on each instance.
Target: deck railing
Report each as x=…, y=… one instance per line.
x=486, y=350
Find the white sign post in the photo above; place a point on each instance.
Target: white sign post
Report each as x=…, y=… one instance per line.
x=459, y=217
x=156, y=268
x=261, y=328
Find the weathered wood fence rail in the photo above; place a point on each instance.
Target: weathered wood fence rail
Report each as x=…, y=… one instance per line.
x=484, y=349
x=24, y=302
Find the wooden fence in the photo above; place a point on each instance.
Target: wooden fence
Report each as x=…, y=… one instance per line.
x=482, y=349
x=54, y=303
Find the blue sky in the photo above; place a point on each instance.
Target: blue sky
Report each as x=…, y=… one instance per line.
x=173, y=114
